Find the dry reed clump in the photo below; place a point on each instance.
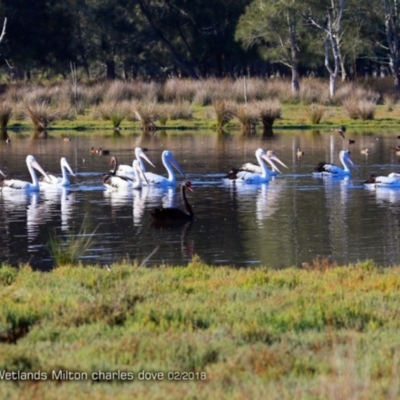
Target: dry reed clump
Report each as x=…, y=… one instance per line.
x=114, y=112
x=268, y=111
x=64, y=111
x=248, y=115
x=359, y=108
x=245, y=90
x=224, y=111
x=41, y=115
x=366, y=109
x=118, y=91
x=5, y=114
x=351, y=91
x=314, y=92
x=147, y=114
x=315, y=112
x=180, y=110
x=16, y=93
x=163, y=113
x=179, y=90
x=41, y=95
x=390, y=101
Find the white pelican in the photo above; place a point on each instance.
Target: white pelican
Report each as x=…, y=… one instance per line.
x=52, y=180
x=239, y=175
x=129, y=170
x=327, y=169
x=16, y=184
x=112, y=181
x=169, y=161
x=382, y=181
x=257, y=169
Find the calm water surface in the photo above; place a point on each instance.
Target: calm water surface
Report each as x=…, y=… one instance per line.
x=292, y=219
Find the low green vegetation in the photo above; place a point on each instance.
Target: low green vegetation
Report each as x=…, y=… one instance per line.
x=321, y=332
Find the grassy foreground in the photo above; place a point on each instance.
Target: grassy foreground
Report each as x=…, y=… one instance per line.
x=325, y=332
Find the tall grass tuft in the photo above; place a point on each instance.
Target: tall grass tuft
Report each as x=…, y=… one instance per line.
x=68, y=251
x=223, y=111
x=147, y=114
x=366, y=109
x=248, y=116
x=268, y=111
x=114, y=112
x=359, y=108
x=180, y=110
x=315, y=112
x=40, y=115
x=5, y=114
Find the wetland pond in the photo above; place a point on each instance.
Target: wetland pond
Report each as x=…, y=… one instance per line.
x=288, y=221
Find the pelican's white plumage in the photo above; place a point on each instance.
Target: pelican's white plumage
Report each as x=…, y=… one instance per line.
x=257, y=169
x=168, y=161
x=239, y=175
x=17, y=184
x=52, y=180
x=129, y=170
x=327, y=169
x=383, y=181
x=112, y=181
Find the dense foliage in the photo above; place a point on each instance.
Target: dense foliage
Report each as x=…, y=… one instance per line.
x=197, y=38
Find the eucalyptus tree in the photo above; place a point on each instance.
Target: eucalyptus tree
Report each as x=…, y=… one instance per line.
x=39, y=34
x=387, y=14
x=327, y=17
x=198, y=35
x=107, y=32
x=276, y=29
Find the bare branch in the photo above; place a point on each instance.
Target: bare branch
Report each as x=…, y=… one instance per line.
x=3, y=32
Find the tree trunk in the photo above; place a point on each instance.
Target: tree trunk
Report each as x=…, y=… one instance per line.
x=110, y=64
x=332, y=85
x=295, y=80
x=294, y=60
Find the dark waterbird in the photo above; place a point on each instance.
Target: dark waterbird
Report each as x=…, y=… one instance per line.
x=173, y=215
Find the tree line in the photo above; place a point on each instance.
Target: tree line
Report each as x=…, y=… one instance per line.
x=202, y=38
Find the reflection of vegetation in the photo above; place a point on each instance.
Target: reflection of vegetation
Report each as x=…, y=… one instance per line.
x=68, y=250
x=5, y=114
x=238, y=331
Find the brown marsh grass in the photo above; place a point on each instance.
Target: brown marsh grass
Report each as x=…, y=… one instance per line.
x=268, y=112
x=223, y=112
x=315, y=112
x=248, y=116
x=41, y=115
x=147, y=113
x=189, y=99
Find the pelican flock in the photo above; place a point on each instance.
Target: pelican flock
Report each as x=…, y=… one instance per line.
x=124, y=177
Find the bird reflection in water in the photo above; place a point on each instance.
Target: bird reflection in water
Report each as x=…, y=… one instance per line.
x=173, y=216
x=63, y=197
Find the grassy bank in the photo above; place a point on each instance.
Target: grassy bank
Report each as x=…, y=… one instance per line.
x=203, y=104
x=320, y=333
